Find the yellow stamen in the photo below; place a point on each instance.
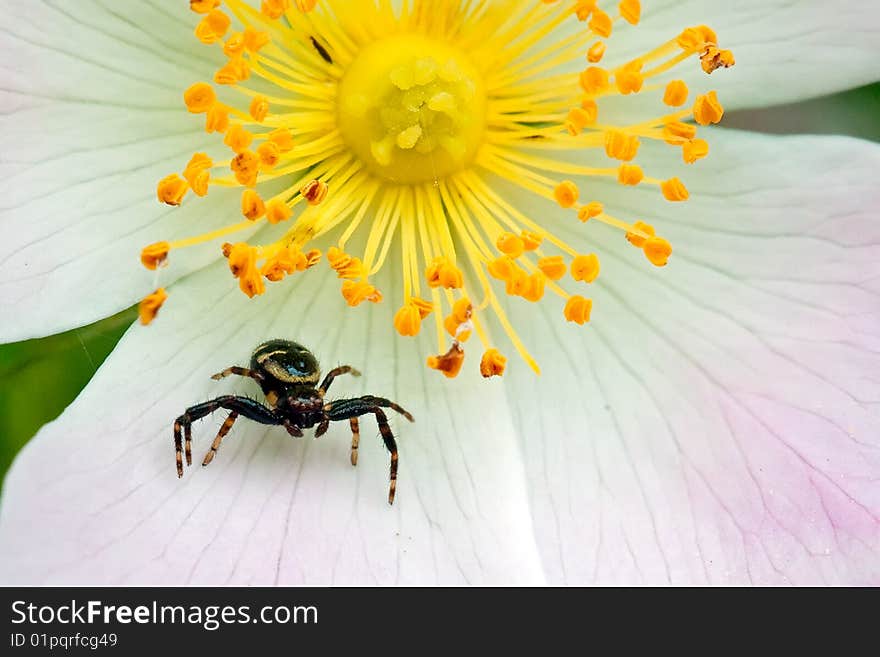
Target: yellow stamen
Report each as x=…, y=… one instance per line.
x=388, y=124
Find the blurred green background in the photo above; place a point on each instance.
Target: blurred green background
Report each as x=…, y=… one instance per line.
x=33, y=366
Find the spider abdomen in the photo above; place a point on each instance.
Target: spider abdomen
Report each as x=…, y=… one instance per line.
x=287, y=362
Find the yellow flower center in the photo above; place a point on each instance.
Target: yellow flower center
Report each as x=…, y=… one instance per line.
x=412, y=108
x=394, y=122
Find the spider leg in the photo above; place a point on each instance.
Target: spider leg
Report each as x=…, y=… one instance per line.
x=332, y=374
x=391, y=445
x=292, y=429
x=188, y=438
x=381, y=402
x=342, y=409
x=241, y=405
x=355, y=439
x=238, y=371
x=227, y=425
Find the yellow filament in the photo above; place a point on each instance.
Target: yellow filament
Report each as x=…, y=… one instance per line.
x=388, y=120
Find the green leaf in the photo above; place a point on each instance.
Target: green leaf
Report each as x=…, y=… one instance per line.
x=39, y=378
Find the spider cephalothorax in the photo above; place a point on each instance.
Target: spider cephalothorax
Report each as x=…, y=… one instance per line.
x=288, y=374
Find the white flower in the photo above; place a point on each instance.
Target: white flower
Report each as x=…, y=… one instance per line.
x=718, y=423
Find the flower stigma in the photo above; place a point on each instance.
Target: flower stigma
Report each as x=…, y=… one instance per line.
x=402, y=125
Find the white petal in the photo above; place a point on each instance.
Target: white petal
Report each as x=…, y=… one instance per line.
x=719, y=420
x=95, y=499
x=785, y=51
x=90, y=120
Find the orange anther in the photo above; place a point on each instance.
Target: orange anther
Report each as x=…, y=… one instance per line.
x=449, y=363
x=274, y=8
x=630, y=174
x=282, y=138
x=492, y=364
x=657, y=250
x=531, y=240
x=578, y=310
x=676, y=93
x=594, y=79
x=596, y=52
x=621, y=146
x=269, y=154
x=171, y=189
x=408, y=320
x=315, y=191
x=694, y=150
x=462, y=310
x=676, y=132
x=708, y=109
x=356, y=292
x=553, y=267
x=637, y=240
x=252, y=206
x=585, y=268
x=216, y=120
x=254, y=39
x=237, y=138
x=501, y=268
x=510, y=245
x=601, y=23
x=629, y=79
x=199, y=97
x=155, y=255
x=425, y=307
x=566, y=194
x=246, y=166
x=442, y=273
x=277, y=211
x=631, y=10
x=151, y=304
x=534, y=287
x=590, y=211
x=259, y=108
x=203, y=6
x=674, y=190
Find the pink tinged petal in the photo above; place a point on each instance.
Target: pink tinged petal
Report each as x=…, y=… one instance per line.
x=784, y=51
x=719, y=421
x=90, y=119
x=94, y=498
